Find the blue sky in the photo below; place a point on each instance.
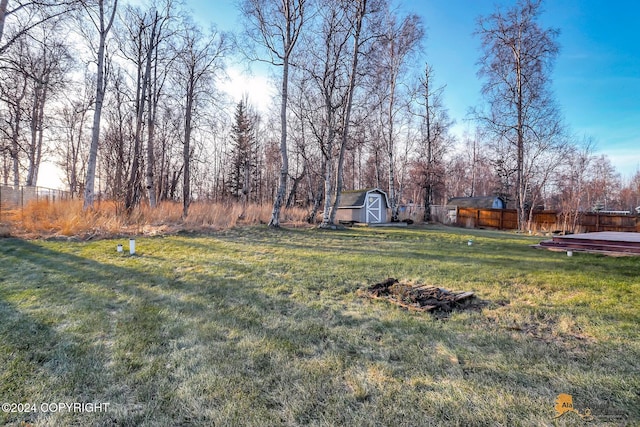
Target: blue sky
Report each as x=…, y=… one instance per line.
x=596, y=78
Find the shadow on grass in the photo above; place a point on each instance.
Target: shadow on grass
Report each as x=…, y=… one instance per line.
x=163, y=345
x=65, y=316
x=92, y=331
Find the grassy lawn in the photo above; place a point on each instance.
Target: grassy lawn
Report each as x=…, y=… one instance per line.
x=259, y=327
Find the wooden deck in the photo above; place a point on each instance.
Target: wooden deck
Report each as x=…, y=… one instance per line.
x=604, y=241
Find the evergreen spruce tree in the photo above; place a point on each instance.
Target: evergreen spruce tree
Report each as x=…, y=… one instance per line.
x=243, y=154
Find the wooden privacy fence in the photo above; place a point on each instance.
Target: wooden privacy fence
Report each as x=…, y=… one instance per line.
x=507, y=219
x=591, y=222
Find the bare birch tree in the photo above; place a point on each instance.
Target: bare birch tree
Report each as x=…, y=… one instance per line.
x=326, y=66
x=161, y=60
x=102, y=17
x=276, y=26
x=22, y=16
x=13, y=93
x=434, y=127
x=116, y=148
x=356, y=17
x=72, y=145
x=48, y=62
x=572, y=182
x=198, y=60
x=401, y=38
x=147, y=30
x=516, y=61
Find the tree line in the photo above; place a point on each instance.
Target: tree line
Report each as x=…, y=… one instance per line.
x=126, y=100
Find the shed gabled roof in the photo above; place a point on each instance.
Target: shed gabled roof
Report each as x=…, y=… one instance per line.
x=356, y=198
x=483, y=202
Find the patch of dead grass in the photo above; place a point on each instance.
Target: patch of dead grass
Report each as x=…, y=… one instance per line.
x=44, y=219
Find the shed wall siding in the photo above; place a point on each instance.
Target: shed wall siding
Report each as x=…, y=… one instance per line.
x=345, y=214
x=359, y=215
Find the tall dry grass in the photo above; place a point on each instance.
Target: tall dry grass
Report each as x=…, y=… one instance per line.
x=42, y=219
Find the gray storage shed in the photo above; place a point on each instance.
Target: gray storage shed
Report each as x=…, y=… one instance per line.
x=366, y=206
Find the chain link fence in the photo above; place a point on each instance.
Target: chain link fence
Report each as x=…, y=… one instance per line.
x=13, y=198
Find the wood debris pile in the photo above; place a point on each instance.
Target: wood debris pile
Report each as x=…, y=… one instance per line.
x=418, y=297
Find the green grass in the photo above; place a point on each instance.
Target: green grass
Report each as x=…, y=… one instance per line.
x=259, y=327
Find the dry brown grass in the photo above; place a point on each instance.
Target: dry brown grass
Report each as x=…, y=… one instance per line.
x=44, y=219
x=5, y=230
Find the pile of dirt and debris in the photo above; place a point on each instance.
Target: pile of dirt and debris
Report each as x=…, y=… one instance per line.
x=419, y=297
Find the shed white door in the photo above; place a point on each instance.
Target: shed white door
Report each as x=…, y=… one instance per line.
x=374, y=208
